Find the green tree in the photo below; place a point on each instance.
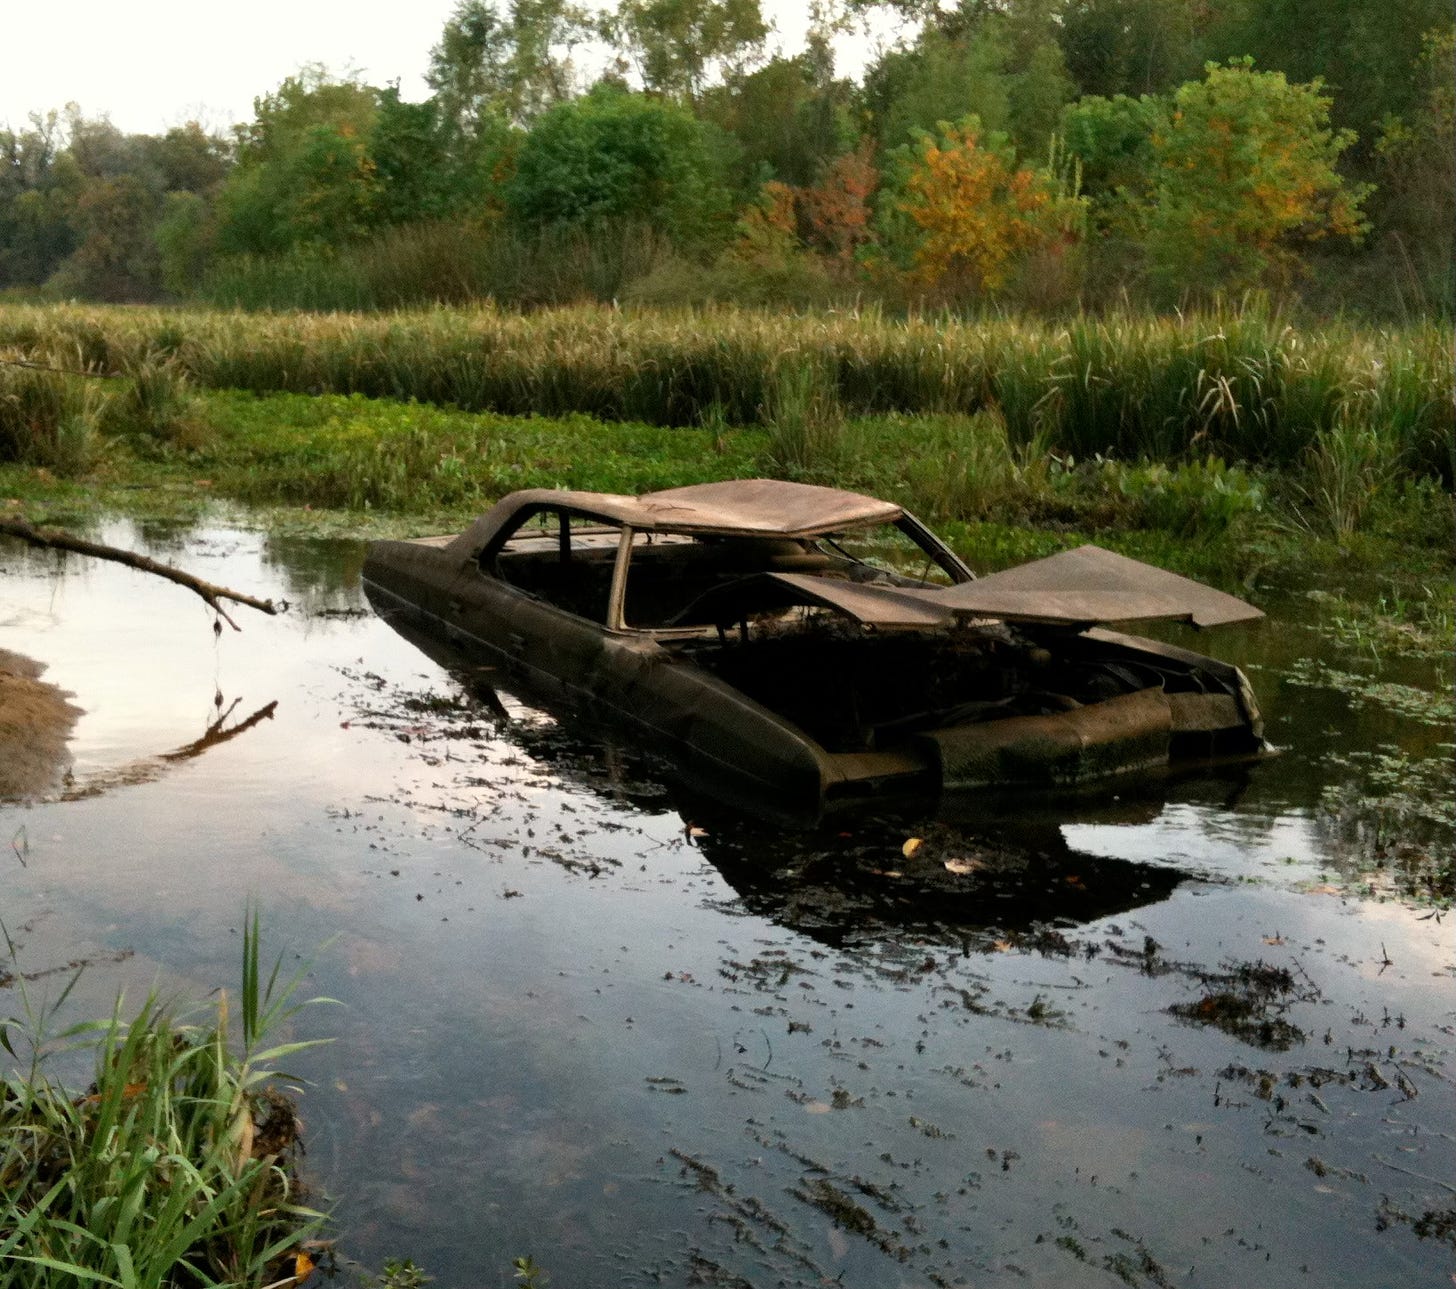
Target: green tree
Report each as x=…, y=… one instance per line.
x=491, y=66
x=1362, y=49
x=616, y=155
x=184, y=239
x=675, y=45
x=303, y=175
x=116, y=256
x=37, y=193
x=1243, y=177
x=1112, y=140
x=1132, y=47
x=1000, y=63
x=1416, y=166
x=417, y=173
x=939, y=78
x=790, y=118
x=188, y=159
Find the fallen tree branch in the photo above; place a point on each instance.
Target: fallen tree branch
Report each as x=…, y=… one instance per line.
x=57, y=539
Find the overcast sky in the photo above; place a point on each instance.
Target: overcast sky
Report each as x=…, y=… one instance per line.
x=153, y=64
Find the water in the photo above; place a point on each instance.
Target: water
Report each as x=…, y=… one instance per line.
x=1193, y=1034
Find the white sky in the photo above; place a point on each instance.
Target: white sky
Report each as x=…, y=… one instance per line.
x=153, y=64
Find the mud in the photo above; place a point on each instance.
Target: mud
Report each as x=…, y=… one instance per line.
x=36, y=719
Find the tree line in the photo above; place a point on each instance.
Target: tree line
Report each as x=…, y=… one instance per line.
x=1032, y=152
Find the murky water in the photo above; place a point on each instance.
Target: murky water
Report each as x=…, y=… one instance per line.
x=1196, y=1035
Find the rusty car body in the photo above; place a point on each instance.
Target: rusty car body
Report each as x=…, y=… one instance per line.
x=803, y=642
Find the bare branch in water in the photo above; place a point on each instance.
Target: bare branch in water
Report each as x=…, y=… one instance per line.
x=57, y=539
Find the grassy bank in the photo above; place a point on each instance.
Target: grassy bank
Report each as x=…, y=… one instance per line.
x=1239, y=384
x=174, y=1168
x=354, y=465
x=1227, y=447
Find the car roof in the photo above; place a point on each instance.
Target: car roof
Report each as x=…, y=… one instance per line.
x=734, y=508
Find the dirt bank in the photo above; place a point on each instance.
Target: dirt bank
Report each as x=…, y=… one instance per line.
x=35, y=721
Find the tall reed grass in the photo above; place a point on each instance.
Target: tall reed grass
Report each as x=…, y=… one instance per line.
x=48, y=417
x=1240, y=385
x=173, y=1169
x=58, y=412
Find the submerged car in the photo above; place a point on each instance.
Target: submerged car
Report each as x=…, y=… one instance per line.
x=801, y=643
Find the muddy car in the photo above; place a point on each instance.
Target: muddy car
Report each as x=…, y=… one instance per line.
x=808, y=644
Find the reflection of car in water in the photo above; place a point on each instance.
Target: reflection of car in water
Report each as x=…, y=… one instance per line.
x=986, y=866
x=812, y=645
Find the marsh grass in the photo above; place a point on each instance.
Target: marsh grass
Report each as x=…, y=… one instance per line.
x=371, y=454
x=1346, y=470
x=447, y=263
x=52, y=415
x=174, y=1168
x=59, y=411
x=805, y=421
x=959, y=467
x=1242, y=385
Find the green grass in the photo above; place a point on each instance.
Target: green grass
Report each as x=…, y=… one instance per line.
x=350, y=465
x=175, y=1167
x=1238, y=384
x=364, y=454
x=1226, y=445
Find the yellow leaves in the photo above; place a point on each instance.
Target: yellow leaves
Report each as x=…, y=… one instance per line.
x=979, y=216
x=302, y=1264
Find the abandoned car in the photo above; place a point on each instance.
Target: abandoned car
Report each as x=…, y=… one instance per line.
x=803, y=642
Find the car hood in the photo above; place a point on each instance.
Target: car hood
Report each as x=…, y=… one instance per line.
x=1078, y=588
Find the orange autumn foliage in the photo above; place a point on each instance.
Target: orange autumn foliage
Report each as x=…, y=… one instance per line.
x=827, y=223
x=979, y=216
x=837, y=209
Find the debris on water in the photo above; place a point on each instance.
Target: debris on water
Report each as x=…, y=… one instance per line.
x=828, y=1198
x=1248, y=1001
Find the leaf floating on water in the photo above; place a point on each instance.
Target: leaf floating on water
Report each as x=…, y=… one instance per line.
x=911, y=846
x=963, y=866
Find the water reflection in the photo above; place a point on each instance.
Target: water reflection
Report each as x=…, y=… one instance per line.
x=591, y=1016
x=319, y=574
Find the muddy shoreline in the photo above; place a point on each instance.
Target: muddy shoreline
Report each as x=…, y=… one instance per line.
x=36, y=719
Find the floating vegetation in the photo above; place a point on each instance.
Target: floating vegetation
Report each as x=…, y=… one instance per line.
x=1395, y=788
x=1415, y=623
x=1395, y=815
x=1248, y=1001
x=1424, y=705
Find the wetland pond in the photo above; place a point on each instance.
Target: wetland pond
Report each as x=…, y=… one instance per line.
x=1199, y=1033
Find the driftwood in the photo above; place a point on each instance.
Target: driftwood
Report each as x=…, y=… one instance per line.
x=57, y=539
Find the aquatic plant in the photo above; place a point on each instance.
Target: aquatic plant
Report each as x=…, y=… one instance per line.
x=805, y=421
x=1239, y=383
x=175, y=1166
x=51, y=413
